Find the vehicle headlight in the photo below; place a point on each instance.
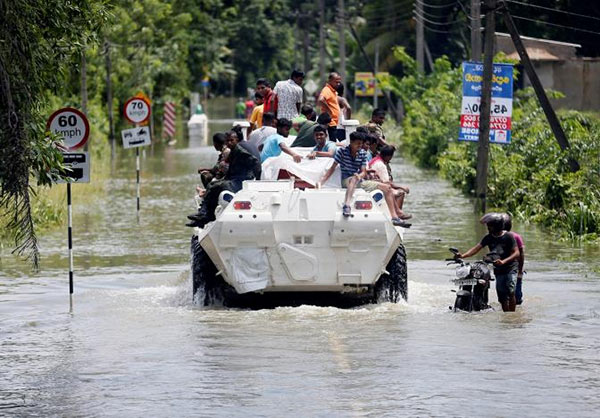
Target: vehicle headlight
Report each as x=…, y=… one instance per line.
x=463, y=271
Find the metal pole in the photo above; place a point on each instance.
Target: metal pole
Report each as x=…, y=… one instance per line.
x=137, y=173
x=475, y=30
x=420, y=36
x=553, y=121
x=70, y=237
x=485, y=106
x=342, y=35
x=375, y=74
x=322, y=76
x=109, y=102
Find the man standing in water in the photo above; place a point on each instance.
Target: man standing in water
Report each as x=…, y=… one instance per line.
x=505, y=267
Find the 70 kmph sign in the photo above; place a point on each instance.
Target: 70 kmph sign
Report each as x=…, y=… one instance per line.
x=137, y=110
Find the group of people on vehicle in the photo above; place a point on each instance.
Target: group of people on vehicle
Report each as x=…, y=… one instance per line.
x=364, y=162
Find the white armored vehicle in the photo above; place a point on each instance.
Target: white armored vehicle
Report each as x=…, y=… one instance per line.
x=273, y=244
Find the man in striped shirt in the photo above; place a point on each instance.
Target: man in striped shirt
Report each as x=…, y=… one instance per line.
x=353, y=165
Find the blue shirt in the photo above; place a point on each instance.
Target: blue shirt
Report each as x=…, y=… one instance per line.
x=369, y=156
x=271, y=147
x=348, y=165
x=329, y=146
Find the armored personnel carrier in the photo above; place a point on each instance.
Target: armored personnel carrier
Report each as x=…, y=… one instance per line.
x=274, y=244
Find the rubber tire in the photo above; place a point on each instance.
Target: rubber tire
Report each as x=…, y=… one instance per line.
x=390, y=287
x=205, y=283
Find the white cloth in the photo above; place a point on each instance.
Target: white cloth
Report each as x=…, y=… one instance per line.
x=310, y=171
x=288, y=95
x=250, y=267
x=258, y=136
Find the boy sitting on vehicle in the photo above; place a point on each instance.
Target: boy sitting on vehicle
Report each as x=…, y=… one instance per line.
x=274, y=144
x=353, y=165
x=379, y=168
x=505, y=267
x=324, y=148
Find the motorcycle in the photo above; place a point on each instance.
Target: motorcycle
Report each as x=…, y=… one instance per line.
x=473, y=281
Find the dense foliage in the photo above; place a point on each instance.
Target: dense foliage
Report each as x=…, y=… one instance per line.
x=36, y=37
x=528, y=177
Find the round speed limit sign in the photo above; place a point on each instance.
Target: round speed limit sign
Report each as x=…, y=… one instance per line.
x=137, y=110
x=70, y=124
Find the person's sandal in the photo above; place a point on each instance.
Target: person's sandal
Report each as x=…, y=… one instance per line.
x=400, y=222
x=346, y=210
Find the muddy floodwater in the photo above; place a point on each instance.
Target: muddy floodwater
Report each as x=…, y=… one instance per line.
x=134, y=345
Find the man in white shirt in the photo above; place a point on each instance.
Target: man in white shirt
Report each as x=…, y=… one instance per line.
x=289, y=95
x=258, y=136
x=379, y=168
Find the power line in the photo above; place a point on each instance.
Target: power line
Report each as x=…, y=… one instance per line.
x=434, y=30
x=553, y=10
x=556, y=25
x=436, y=23
x=436, y=6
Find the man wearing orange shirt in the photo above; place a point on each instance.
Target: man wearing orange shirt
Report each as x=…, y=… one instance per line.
x=328, y=101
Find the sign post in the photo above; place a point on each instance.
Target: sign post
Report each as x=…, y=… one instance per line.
x=501, y=103
x=74, y=128
x=137, y=111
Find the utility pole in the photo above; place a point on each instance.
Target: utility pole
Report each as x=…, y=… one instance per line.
x=557, y=130
x=476, y=30
x=109, y=101
x=84, y=92
x=485, y=106
x=322, y=41
x=342, y=41
x=420, y=36
x=375, y=74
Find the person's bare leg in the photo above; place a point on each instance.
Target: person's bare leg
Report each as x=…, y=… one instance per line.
x=504, y=304
x=400, y=198
x=389, y=199
x=350, y=190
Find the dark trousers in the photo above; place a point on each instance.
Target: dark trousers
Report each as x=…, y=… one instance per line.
x=332, y=133
x=211, y=199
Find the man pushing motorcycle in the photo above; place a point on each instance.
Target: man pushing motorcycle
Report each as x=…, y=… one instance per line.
x=505, y=267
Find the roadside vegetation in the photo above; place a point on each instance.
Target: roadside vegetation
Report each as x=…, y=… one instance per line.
x=530, y=176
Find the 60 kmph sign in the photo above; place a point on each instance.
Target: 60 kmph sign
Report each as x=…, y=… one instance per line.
x=71, y=125
x=137, y=110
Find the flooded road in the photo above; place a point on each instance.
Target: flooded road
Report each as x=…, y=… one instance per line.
x=134, y=345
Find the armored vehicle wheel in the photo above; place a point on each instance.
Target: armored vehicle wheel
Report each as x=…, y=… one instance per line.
x=207, y=288
x=391, y=286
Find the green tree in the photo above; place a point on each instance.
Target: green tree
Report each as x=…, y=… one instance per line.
x=37, y=38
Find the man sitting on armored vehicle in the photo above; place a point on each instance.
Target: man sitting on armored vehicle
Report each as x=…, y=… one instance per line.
x=306, y=132
x=220, y=168
x=258, y=136
x=379, y=168
x=353, y=165
x=324, y=148
x=243, y=165
x=274, y=144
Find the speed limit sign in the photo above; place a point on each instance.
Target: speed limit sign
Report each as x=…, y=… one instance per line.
x=137, y=110
x=71, y=125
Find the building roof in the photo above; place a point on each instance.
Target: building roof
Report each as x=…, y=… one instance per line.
x=538, y=49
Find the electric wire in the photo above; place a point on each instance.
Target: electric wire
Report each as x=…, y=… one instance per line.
x=432, y=29
x=555, y=24
x=436, y=6
x=553, y=10
x=436, y=23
